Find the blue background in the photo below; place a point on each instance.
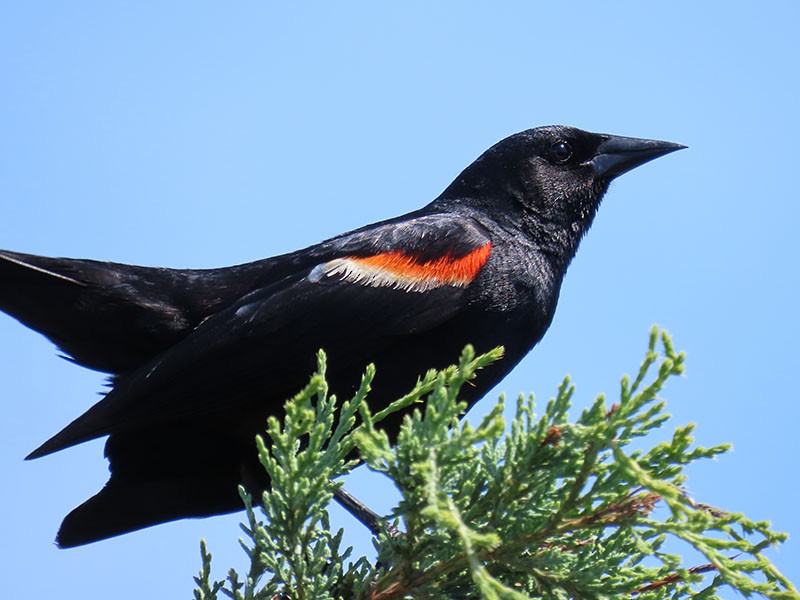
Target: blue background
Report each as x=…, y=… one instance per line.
x=198, y=134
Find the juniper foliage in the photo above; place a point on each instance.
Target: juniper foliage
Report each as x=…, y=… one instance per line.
x=547, y=508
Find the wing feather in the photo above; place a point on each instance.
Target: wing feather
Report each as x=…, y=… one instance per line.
x=262, y=348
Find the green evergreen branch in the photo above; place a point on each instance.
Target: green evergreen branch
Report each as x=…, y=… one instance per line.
x=546, y=508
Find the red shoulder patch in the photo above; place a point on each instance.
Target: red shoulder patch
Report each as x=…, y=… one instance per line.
x=405, y=271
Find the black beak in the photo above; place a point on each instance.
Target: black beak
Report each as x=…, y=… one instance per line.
x=617, y=155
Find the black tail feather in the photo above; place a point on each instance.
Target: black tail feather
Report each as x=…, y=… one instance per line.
x=181, y=474
x=124, y=507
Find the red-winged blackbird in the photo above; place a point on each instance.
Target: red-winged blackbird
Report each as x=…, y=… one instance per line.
x=200, y=358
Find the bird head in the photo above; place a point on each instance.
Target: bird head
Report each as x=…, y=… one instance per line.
x=555, y=175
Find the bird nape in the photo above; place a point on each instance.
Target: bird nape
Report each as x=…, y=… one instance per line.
x=200, y=358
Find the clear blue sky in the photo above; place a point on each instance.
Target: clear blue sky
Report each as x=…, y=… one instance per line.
x=197, y=134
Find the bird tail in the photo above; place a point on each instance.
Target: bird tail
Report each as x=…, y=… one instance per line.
x=177, y=475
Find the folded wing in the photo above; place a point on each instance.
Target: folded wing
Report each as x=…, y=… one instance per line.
x=372, y=290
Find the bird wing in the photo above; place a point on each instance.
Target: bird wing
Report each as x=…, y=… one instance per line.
x=369, y=288
x=113, y=317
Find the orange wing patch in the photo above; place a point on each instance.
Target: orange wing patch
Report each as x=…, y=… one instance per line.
x=403, y=271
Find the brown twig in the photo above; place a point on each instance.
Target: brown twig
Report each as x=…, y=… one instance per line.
x=672, y=579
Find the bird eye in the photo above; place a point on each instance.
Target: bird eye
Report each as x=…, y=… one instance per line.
x=560, y=152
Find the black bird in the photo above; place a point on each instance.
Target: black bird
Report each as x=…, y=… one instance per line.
x=200, y=358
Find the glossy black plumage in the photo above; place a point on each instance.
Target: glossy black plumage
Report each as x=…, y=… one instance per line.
x=200, y=358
